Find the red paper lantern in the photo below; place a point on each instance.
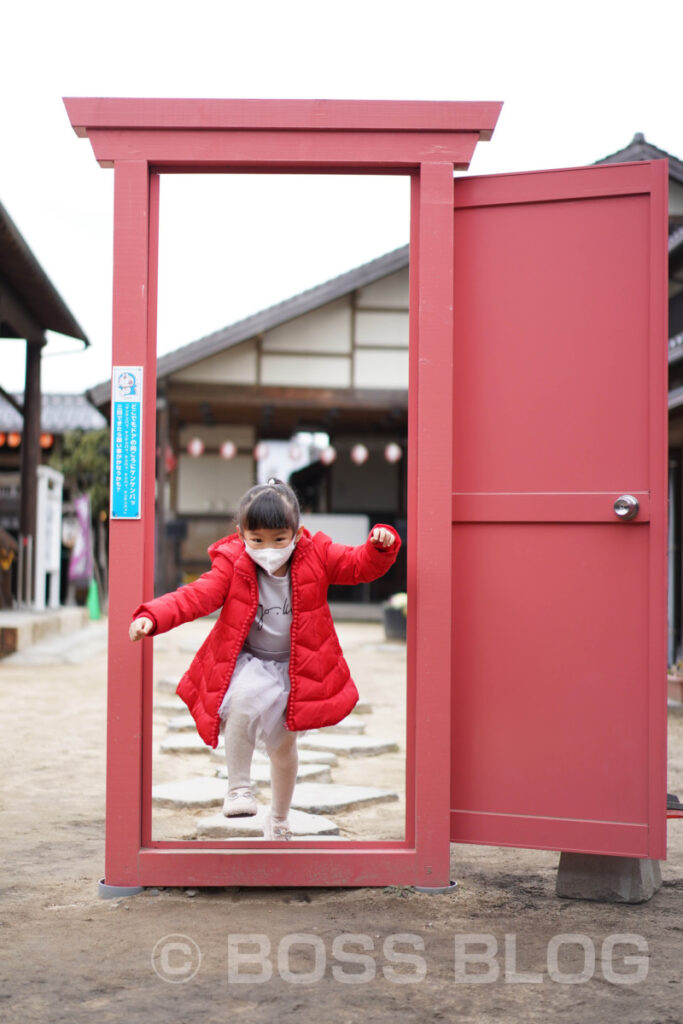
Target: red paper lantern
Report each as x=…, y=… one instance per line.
x=14, y=439
x=196, y=447
x=170, y=461
x=328, y=455
x=46, y=440
x=228, y=450
x=393, y=452
x=261, y=451
x=3, y=438
x=359, y=454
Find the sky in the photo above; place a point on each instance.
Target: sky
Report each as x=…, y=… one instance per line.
x=577, y=81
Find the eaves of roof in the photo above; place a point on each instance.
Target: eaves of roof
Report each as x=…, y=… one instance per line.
x=639, y=149
x=267, y=319
x=29, y=282
x=58, y=414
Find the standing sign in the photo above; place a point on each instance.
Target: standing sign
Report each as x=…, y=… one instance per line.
x=126, y=441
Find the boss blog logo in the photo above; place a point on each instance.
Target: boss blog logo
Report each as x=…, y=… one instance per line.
x=468, y=952
x=351, y=958
x=251, y=958
x=176, y=958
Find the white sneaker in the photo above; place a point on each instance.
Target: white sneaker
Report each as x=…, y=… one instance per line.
x=280, y=831
x=239, y=803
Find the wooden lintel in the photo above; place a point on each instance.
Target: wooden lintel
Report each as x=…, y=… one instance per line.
x=220, y=395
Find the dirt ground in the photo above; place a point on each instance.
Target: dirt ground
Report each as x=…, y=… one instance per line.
x=177, y=956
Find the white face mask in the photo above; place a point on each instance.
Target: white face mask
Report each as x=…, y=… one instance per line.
x=271, y=559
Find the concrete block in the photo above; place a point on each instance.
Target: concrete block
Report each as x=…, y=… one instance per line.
x=607, y=879
x=217, y=826
x=348, y=746
x=319, y=798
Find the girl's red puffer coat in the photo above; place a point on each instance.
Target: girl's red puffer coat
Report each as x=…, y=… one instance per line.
x=322, y=691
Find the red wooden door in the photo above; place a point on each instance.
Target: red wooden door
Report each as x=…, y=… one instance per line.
x=559, y=606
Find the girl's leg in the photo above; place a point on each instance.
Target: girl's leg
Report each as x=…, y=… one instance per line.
x=284, y=764
x=239, y=751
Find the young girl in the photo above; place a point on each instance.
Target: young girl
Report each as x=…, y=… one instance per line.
x=272, y=664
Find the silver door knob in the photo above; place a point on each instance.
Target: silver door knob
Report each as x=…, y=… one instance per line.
x=626, y=507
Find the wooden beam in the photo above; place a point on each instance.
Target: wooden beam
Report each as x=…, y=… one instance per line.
x=220, y=396
x=306, y=152
x=87, y=113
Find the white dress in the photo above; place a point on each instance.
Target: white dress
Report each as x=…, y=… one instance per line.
x=260, y=684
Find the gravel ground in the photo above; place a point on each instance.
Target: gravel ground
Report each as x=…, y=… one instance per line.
x=362, y=954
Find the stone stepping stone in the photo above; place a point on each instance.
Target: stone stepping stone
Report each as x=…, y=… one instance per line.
x=181, y=723
x=347, y=726
x=170, y=704
x=363, y=707
x=318, y=798
x=348, y=746
x=188, y=743
x=305, y=756
x=306, y=772
x=168, y=684
x=203, y=791
x=217, y=826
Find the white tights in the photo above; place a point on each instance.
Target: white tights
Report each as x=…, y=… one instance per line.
x=284, y=762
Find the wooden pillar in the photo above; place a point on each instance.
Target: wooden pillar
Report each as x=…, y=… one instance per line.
x=161, y=541
x=30, y=448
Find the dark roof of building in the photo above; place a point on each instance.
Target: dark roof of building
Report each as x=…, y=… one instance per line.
x=59, y=413
x=267, y=319
x=24, y=275
x=640, y=149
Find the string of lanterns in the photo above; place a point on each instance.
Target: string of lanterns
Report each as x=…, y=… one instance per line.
x=13, y=439
x=359, y=454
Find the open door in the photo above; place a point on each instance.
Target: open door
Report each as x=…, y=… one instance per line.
x=559, y=510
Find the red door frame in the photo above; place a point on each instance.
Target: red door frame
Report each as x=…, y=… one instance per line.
x=142, y=138
x=559, y=724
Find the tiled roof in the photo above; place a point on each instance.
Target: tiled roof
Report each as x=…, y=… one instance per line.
x=271, y=317
x=639, y=149
x=59, y=413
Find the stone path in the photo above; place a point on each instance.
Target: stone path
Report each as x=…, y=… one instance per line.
x=317, y=798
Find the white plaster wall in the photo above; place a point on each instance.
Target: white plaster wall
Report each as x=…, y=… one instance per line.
x=389, y=292
x=374, y=328
x=306, y=371
x=373, y=369
x=324, y=330
x=236, y=365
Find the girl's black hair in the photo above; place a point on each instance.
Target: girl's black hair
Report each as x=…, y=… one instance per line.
x=271, y=506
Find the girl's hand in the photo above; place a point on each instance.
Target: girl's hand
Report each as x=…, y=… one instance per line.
x=384, y=538
x=140, y=627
